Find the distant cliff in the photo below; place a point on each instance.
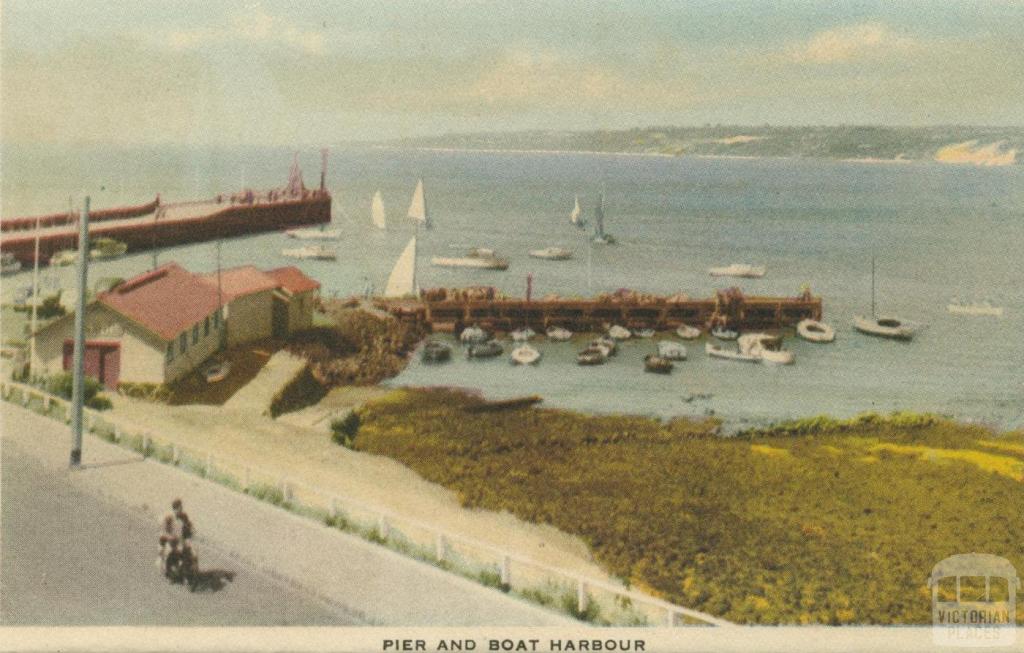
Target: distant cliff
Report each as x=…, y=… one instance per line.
x=950, y=144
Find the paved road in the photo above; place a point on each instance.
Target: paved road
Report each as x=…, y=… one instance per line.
x=72, y=558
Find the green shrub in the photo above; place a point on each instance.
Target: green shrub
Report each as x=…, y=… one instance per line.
x=99, y=402
x=62, y=385
x=147, y=391
x=344, y=429
x=269, y=493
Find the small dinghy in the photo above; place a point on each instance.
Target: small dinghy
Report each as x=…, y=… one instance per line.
x=488, y=349
x=436, y=352
x=767, y=348
x=723, y=333
x=974, y=309
x=314, y=234
x=559, y=334
x=687, y=332
x=619, y=333
x=644, y=333
x=473, y=335
x=312, y=252
x=717, y=351
x=657, y=364
x=814, y=331
x=552, y=253
x=673, y=351
x=592, y=355
x=525, y=355
x=481, y=258
x=741, y=270
x=217, y=372
x=523, y=335
x=607, y=344
x=883, y=327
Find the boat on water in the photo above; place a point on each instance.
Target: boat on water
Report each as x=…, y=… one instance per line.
x=644, y=333
x=717, y=351
x=402, y=280
x=815, y=331
x=673, y=351
x=606, y=345
x=657, y=364
x=723, y=333
x=435, y=352
x=741, y=270
x=687, y=332
x=600, y=237
x=104, y=249
x=592, y=355
x=576, y=217
x=524, y=355
x=418, y=207
x=64, y=257
x=473, y=335
x=479, y=258
x=314, y=234
x=975, y=309
x=559, y=334
x=617, y=332
x=9, y=264
x=377, y=215
x=890, y=327
x=767, y=348
x=552, y=254
x=217, y=372
x=488, y=349
x=312, y=252
x=523, y=335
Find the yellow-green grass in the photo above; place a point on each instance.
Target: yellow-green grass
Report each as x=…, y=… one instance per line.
x=825, y=521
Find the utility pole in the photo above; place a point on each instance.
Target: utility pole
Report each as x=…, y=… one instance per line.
x=35, y=307
x=78, y=389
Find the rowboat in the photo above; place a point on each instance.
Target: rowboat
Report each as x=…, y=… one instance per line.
x=814, y=331
x=717, y=351
x=525, y=355
x=673, y=351
x=559, y=334
x=687, y=332
x=657, y=364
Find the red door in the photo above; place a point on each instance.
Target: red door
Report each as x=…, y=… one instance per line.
x=102, y=360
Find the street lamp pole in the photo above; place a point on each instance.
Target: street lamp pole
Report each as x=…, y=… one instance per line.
x=78, y=389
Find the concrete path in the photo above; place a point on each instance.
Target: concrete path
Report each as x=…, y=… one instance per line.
x=372, y=583
x=257, y=395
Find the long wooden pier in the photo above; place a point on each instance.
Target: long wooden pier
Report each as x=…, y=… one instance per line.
x=451, y=310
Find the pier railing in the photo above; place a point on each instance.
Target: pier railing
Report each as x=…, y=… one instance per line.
x=596, y=600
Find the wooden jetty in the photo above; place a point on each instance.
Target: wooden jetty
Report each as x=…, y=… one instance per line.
x=451, y=310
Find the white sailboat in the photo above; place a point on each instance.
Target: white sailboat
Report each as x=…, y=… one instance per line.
x=883, y=327
x=377, y=211
x=402, y=282
x=600, y=237
x=418, y=206
x=576, y=215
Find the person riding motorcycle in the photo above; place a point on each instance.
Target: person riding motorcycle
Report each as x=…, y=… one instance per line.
x=178, y=559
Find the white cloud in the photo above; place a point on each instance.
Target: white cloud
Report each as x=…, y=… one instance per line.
x=255, y=28
x=850, y=43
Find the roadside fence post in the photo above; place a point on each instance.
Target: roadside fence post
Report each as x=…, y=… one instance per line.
x=440, y=547
x=506, y=569
x=334, y=508
x=247, y=479
x=146, y=443
x=383, y=529
x=581, y=596
x=670, y=617
x=117, y=434
x=175, y=454
x=286, y=490
x=209, y=465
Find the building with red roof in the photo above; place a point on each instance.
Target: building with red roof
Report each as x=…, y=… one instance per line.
x=162, y=324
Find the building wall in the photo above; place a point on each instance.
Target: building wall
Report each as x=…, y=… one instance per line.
x=194, y=355
x=300, y=311
x=250, y=317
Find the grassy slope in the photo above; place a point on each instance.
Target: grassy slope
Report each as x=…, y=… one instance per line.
x=838, y=523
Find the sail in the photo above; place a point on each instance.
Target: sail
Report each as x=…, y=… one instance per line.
x=599, y=217
x=402, y=282
x=377, y=211
x=574, y=217
x=418, y=206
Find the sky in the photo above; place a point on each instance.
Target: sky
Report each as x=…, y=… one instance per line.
x=319, y=73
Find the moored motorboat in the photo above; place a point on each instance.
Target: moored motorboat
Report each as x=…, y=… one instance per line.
x=524, y=355
x=767, y=348
x=815, y=331
x=473, y=335
x=975, y=308
x=436, y=352
x=687, y=332
x=644, y=333
x=64, y=257
x=592, y=355
x=722, y=333
x=488, y=349
x=314, y=234
x=559, y=334
x=607, y=346
x=884, y=327
x=311, y=252
x=523, y=335
x=741, y=270
x=552, y=253
x=657, y=364
x=717, y=351
x=479, y=258
x=617, y=332
x=671, y=350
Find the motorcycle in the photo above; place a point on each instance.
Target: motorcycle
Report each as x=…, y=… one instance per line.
x=180, y=565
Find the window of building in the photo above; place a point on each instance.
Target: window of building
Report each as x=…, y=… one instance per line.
x=206, y=327
x=183, y=342
x=195, y=334
x=170, y=351
x=216, y=319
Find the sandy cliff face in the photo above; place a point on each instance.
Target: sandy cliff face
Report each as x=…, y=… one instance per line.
x=992, y=154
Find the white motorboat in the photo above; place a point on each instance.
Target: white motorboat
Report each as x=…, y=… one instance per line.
x=657, y=364
x=673, y=351
x=314, y=234
x=479, y=258
x=884, y=327
x=377, y=215
x=717, y=351
x=436, y=352
x=64, y=257
x=552, y=253
x=473, y=335
x=975, y=309
x=687, y=332
x=644, y=333
x=592, y=355
x=741, y=270
x=313, y=252
x=723, y=333
x=767, y=348
x=525, y=355
x=619, y=333
x=9, y=264
x=559, y=334
x=815, y=331
x=607, y=346
x=523, y=335
x=488, y=349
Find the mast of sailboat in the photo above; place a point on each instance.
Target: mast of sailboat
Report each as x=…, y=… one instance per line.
x=872, y=286
x=323, y=169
